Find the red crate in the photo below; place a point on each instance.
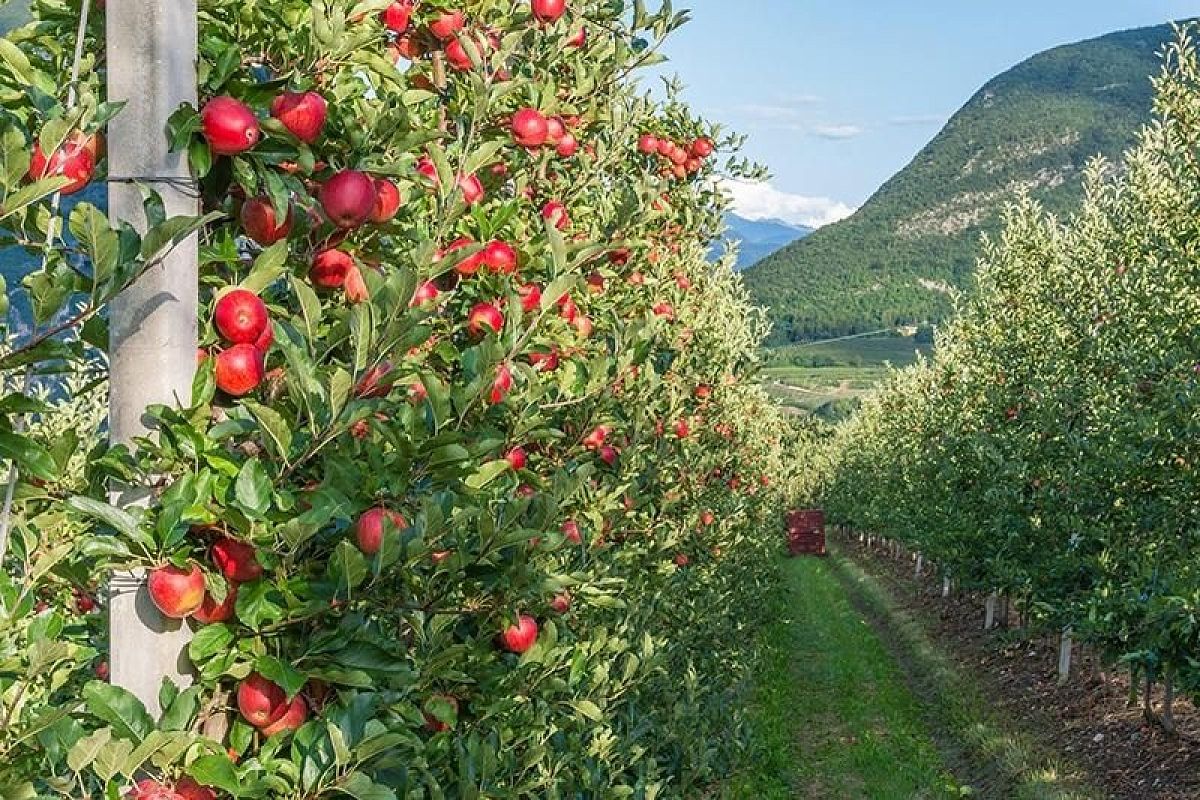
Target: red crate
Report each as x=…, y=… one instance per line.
x=806, y=532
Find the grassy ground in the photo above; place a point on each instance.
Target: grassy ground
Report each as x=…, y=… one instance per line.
x=835, y=718
x=856, y=703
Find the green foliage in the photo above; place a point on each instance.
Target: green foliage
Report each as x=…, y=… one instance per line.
x=1033, y=128
x=1048, y=449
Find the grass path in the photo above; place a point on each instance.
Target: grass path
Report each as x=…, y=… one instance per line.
x=855, y=702
x=835, y=717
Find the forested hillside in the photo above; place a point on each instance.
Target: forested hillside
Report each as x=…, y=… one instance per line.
x=1032, y=129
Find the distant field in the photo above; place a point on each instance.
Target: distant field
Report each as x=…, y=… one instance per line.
x=896, y=350
x=828, y=378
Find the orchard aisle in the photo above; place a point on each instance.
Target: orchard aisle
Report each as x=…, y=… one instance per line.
x=835, y=715
x=855, y=702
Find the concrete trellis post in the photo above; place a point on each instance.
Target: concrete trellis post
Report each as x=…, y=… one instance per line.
x=1064, y=656
x=989, y=619
x=152, y=68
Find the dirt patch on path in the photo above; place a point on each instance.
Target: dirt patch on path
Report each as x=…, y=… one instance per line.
x=1088, y=720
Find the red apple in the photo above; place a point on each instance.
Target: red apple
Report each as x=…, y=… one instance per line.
x=570, y=529
x=471, y=188
x=484, y=317
x=239, y=369
x=397, y=16
x=188, y=789
x=561, y=603
x=499, y=256
x=151, y=790
x=567, y=146
x=530, y=128
x=517, y=458
x=501, y=385
x=229, y=126
x=261, y=701
x=177, y=592
x=544, y=362
x=329, y=268
x=648, y=144
x=240, y=316
x=469, y=265
x=355, y=286
x=293, y=716
x=457, y=56
x=372, y=385
x=548, y=10
x=521, y=637
x=210, y=611
x=681, y=560
x=73, y=159
x=261, y=224
x=302, y=113
x=556, y=214
x=531, y=297
x=387, y=201
x=609, y=454
x=702, y=148
x=447, y=25
x=595, y=439
x=263, y=342
x=102, y=671
x=369, y=529
x=579, y=38
x=682, y=429
x=348, y=198
x=427, y=292
x=237, y=561
x=555, y=130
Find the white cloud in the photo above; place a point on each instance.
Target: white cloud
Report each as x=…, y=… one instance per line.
x=836, y=131
x=763, y=201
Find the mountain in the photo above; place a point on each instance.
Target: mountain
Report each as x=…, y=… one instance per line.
x=1033, y=128
x=760, y=238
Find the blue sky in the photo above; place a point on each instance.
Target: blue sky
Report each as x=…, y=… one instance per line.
x=838, y=96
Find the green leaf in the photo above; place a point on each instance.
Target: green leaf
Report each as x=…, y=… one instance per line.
x=290, y=680
x=487, y=473
x=310, y=306
x=360, y=787
x=209, y=641
x=183, y=708
x=30, y=457
x=347, y=566
x=268, y=267
x=99, y=240
x=119, y=708
x=253, y=489
x=588, y=709
x=557, y=289
x=217, y=771
x=276, y=428
x=81, y=756
x=115, y=518
x=17, y=61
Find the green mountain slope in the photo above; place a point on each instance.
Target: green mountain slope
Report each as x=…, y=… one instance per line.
x=1033, y=128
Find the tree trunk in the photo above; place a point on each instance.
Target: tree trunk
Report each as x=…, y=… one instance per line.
x=989, y=617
